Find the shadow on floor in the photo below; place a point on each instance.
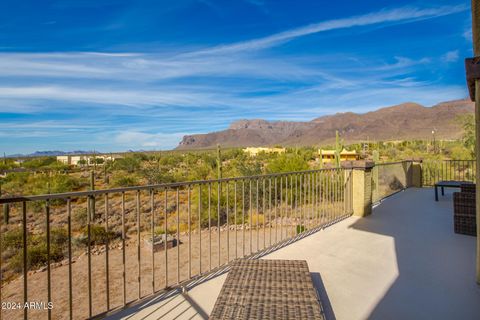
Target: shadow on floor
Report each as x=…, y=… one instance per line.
x=173, y=305
x=322, y=293
x=436, y=267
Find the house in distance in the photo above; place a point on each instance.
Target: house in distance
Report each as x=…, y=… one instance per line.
x=328, y=156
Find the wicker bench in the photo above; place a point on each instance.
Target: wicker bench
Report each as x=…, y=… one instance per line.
x=464, y=210
x=268, y=289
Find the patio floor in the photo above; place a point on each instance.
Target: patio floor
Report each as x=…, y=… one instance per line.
x=402, y=262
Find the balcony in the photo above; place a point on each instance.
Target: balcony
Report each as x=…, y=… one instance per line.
x=402, y=262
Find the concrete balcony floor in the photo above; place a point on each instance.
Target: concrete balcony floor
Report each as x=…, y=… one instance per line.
x=402, y=262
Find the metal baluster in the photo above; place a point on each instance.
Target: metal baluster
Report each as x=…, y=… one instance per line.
x=89, y=234
x=49, y=274
x=322, y=198
x=69, y=231
x=281, y=208
x=25, y=266
x=317, y=188
x=263, y=213
x=300, y=203
x=178, y=233
x=276, y=211
x=327, y=196
x=334, y=172
x=296, y=204
x=311, y=194
x=209, y=227
x=291, y=203
x=235, y=217
x=243, y=217
x=228, y=224
x=285, y=210
x=258, y=218
x=124, y=274
x=200, y=227
x=270, y=211
x=107, y=269
x=189, y=213
x=152, y=213
x=139, y=278
x=165, y=242
x=250, y=223
x=219, y=195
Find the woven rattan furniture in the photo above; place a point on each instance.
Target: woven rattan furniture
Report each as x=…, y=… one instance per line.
x=447, y=184
x=468, y=187
x=464, y=212
x=268, y=289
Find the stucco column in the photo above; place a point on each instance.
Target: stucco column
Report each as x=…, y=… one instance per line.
x=416, y=174
x=362, y=189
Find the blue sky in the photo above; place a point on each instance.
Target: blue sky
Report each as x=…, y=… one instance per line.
x=116, y=75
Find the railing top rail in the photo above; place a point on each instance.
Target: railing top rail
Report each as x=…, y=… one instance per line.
x=391, y=163
x=449, y=160
x=163, y=186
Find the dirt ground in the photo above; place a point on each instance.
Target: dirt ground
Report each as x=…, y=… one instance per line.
x=240, y=243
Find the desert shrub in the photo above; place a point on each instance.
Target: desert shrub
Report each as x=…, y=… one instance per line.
x=300, y=228
x=120, y=179
x=287, y=163
x=27, y=183
x=37, y=253
x=129, y=164
x=256, y=218
x=12, y=239
x=98, y=235
x=39, y=163
x=154, y=173
x=80, y=217
x=161, y=230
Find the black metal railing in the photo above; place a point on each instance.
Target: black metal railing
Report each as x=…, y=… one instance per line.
x=92, y=252
x=458, y=170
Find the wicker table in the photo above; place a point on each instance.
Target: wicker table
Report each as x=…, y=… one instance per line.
x=268, y=289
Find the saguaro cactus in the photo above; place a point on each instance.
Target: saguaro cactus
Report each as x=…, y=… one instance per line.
x=321, y=159
x=219, y=162
x=106, y=180
x=338, y=149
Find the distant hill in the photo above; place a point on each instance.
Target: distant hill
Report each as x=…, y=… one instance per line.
x=50, y=153
x=405, y=121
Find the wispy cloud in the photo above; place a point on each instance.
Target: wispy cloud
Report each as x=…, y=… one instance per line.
x=146, y=100
x=401, y=15
x=136, y=139
x=451, y=56
x=467, y=34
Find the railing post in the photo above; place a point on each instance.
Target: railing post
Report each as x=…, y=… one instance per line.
x=362, y=188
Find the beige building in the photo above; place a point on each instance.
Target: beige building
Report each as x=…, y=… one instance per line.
x=253, y=151
x=328, y=156
x=89, y=159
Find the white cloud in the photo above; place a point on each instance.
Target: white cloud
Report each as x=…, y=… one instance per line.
x=116, y=96
x=206, y=89
x=401, y=15
x=451, y=56
x=136, y=139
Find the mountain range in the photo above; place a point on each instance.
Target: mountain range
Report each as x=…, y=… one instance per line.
x=400, y=122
